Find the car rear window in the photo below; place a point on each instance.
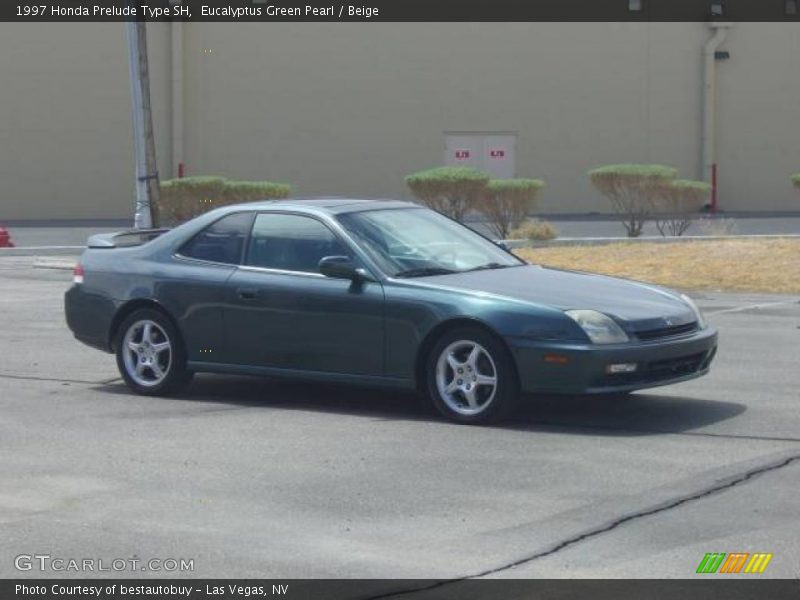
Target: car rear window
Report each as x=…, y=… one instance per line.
x=222, y=241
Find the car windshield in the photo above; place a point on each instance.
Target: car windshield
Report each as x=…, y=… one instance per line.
x=415, y=242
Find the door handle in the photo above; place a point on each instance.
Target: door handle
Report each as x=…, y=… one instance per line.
x=247, y=293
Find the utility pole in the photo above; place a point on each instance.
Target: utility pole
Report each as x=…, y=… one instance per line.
x=147, y=183
x=708, y=167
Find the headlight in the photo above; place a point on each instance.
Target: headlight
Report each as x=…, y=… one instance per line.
x=600, y=328
x=701, y=322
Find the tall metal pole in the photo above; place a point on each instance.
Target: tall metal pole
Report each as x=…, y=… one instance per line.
x=176, y=34
x=153, y=184
x=141, y=215
x=147, y=184
x=708, y=166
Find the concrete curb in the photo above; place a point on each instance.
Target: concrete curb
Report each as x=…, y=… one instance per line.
x=602, y=241
x=44, y=256
x=60, y=264
x=42, y=250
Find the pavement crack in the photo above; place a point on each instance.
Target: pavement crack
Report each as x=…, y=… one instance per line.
x=720, y=486
x=728, y=436
x=57, y=379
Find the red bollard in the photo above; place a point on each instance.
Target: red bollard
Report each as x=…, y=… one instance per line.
x=5, y=238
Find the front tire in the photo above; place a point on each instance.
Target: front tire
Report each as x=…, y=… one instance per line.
x=471, y=378
x=150, y=354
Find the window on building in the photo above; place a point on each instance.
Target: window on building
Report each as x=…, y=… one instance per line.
x=791, y=7
x=635, y=5
x=291, y=243
x=222, y=241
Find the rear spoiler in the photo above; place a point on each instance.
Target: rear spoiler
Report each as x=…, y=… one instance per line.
x=124, y=239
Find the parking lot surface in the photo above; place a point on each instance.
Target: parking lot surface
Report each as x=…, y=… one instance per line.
x=258, y=478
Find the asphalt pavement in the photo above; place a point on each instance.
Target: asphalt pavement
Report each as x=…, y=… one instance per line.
x=251, y=477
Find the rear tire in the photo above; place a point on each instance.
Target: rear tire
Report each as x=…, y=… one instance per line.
x=471, y=378
x=150, y=354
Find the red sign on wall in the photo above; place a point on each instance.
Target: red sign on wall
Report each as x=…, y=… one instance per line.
x=497, y=153
x=462, y=154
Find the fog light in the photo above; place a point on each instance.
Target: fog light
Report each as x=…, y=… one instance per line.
x=621, y=368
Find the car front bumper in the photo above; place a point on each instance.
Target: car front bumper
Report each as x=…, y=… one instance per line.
x=576, y=368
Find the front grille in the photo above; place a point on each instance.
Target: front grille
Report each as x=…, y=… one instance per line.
x=673, y=367
x=661, y=370
x=654, y=334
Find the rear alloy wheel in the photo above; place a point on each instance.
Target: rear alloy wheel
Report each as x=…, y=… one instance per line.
x=471, y=378
x=150, y=354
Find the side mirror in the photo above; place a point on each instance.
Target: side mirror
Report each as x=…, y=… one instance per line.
x=339, y=267
x=503, y=245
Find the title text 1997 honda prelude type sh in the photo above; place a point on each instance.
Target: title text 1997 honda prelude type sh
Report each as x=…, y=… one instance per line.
x=378, y=292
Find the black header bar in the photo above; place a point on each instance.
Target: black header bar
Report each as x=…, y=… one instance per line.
x=400, y=10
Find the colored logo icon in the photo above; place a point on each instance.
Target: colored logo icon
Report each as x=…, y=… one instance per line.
x=734, y=562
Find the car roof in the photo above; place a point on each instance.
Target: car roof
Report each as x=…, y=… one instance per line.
x=325, y=205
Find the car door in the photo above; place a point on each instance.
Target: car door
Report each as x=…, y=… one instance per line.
x=283, y=313
x=194, y=288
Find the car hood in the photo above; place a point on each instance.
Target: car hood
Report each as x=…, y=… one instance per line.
x=639, y=305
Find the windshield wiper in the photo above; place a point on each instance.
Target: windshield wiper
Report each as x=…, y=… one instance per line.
x=491, y=265
x=423, y=271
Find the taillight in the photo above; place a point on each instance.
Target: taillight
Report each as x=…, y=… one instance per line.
x=77, y=274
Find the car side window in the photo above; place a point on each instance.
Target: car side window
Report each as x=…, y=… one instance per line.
x=291, y=243
x=222, y=241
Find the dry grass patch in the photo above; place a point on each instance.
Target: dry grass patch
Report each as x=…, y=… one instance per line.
x=771, y=266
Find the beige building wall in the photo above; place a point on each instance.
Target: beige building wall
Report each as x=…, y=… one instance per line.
x=65, y=121
x=758, y=117
x=350, y=109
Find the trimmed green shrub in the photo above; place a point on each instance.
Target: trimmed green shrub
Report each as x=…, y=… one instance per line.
x=698, y=189
x=678, y=203
x=796, y=180
x=248, y=191
x=535, y=231
x=185, y=198
x=506, y=202
x=452, y=191
x=182, y=199
x=633, y=190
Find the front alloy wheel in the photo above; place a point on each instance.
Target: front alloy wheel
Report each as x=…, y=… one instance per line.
x=471, y=378
x=466, y=377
